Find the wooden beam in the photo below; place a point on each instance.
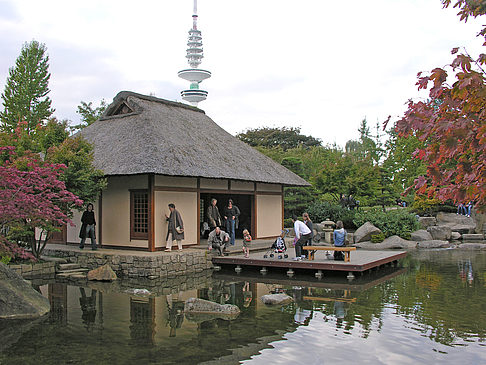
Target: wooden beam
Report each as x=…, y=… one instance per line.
x=100, y=220
x=151, y=212
x=198, y=207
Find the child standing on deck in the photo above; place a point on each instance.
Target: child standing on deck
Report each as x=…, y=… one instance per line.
x=246, y=242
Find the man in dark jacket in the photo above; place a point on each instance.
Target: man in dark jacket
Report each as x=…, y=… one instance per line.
x=175, y=229
x=214, y=218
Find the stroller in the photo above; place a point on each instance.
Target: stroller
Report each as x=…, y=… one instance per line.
x=278, y=247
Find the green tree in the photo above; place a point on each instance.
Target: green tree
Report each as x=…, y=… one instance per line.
x=80, y=176
x=90, y=114
x=25, y=96
x=285, y=138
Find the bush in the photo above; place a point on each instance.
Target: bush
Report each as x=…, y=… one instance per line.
x=288, y=223
x=430, y=207
x=10, y=251
x=394, y=222
x=380, y=237
x=320, y=211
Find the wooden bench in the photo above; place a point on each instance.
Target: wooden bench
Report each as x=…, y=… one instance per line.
x=312, y=250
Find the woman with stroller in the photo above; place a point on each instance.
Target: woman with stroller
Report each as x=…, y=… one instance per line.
x=339, y=236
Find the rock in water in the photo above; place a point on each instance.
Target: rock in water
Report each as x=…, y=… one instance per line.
x=18, y=300
x=102, y=273
x=421, y=235
x=196, y=305
x=276, y=299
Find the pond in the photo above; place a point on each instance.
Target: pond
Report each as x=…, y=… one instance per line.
x=431, y=309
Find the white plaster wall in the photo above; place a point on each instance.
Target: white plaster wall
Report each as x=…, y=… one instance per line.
x=269, y=215
x=175, y=181
x=242, y=185
x=216, y=184
x=186, y=204
x=116, y=210
x=269, y=187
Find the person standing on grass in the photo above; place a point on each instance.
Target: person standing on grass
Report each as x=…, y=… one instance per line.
x=339, y=236
x=302, y=234
x=88, y=227
x=175, y=230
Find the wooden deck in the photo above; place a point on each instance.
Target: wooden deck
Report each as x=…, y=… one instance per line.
x=361, y=261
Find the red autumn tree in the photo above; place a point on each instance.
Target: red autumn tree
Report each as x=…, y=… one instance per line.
x=452, y=123
x=32, y=196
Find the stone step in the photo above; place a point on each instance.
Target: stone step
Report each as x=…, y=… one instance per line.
x=75, y=275
x=472, y=237
x=68, y=266
x=72, y=270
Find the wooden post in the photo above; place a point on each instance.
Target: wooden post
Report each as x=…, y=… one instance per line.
x=151, y=208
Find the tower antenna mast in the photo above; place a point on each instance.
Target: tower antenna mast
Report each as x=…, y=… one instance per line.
x=194, y=55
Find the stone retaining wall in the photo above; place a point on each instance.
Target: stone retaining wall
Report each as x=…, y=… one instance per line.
x=153, y=266
x=40, y=269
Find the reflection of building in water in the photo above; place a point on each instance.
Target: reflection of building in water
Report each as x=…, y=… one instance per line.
x=175, y=308
x=88, y=307
x=57, y=294
x=142, y=320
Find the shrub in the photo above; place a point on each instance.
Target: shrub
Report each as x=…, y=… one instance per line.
x=10, y=251
x=430, y=207
x=375, y=238
x=320, y=211
x=394, y=222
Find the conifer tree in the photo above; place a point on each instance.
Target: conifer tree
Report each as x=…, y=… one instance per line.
x=25, y=96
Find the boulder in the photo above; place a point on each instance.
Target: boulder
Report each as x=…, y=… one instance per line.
x=440, y=232
x=318, y=227
x=276, y=299
x=350, y=238
x=196, y=305
x=434, y=244
x=456, y=222
x=472, y=246
x=473, y=237
x=102, y=273
x=421, y=235
x=427, y=222
x=317, y=236
x=365, y=232
x=18, y=300
x=456, y=236
x=393, y=242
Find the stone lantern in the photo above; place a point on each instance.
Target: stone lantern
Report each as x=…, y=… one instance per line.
x=328, y=228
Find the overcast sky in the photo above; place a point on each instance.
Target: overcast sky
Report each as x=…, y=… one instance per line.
x=319, y=65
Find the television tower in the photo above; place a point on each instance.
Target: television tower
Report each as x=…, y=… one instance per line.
x=194, y=57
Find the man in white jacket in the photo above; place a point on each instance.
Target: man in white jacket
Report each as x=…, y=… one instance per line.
x=303, y=234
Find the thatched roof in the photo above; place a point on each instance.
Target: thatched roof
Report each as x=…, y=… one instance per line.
x=141, y=134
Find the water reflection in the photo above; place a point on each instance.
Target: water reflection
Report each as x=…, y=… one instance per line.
x=433, y=305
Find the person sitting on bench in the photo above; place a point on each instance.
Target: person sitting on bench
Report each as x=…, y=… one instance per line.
x=339, y=239
x=218, y=240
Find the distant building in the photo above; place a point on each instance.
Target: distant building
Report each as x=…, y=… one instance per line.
x=155, y=152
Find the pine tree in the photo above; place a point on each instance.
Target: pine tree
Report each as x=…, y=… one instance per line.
x=25, y=96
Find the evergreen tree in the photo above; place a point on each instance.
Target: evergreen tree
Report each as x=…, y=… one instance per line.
x=25, y=96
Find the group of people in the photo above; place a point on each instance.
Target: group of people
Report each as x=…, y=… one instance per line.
x=304, y=233
x=465, y=209
x=348, y=202
x=218, y=239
